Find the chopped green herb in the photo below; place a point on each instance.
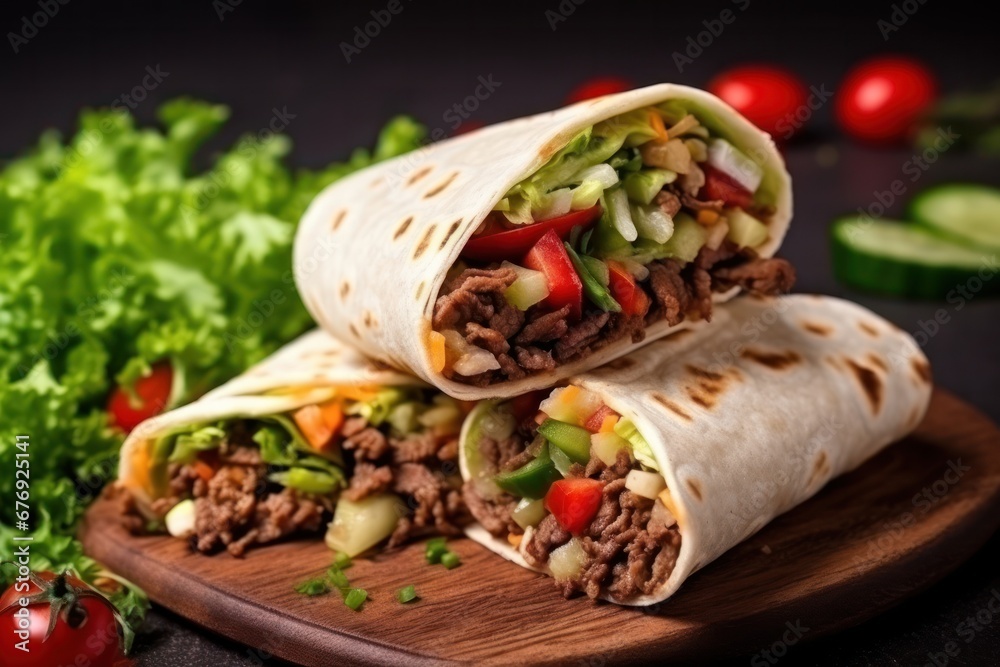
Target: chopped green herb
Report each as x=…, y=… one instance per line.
x=338, y=579
x=408, y=594
x=435, y=549
x=450, y=560
x=342, y=560
x=313, y=587
x=355, y=598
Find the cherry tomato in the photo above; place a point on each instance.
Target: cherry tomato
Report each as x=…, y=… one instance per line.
x=626, y=291
x=719, y=185
x=880, y=100
x=597, y=87
x=769, y=96
x=565, y=287
x=497, y=242
x=86, y=632
x=153, y=392
x=574, y=502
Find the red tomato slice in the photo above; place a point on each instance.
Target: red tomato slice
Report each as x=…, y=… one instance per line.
x=565, y=288
x=770, y=97
x=719, y=185
x=882, y=99
x=596, y=420
x=574, y=502
x=153, y=392
x=626, y=291
x=597, y=87
x=497, y=244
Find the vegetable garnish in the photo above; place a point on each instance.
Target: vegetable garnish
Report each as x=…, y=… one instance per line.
x=120, y=255
x=355, y=598
x=450, y=560
x=313, y=587
x=435, y=549
x=407, y=594
x=342, y=560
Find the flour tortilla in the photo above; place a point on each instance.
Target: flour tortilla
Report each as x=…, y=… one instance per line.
x=752, y=415
x=304, y=372
x=373, y=249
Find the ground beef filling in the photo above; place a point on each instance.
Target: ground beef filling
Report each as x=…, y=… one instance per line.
x=472, y=302
x=630, y=553
x=238, y=507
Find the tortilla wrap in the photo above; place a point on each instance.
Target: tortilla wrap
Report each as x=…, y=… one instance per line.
x=373, y=250
x=752, y=415
x=304, y=372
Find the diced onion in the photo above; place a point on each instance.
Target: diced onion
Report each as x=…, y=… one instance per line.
x=358, y=526
x=554, y=204
x=684, y=125
x=645, y=484
x=571, y=405
x=653, y=224
x=697, y=148
x=716, y=235
x=475, y=361
x=567, y=561
x=672, y=155
x=529, y=512
x=621, y=216
x=638, y=271
x=180, y=519
x=734, y=163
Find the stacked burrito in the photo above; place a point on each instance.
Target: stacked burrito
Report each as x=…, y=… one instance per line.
x=529, y=333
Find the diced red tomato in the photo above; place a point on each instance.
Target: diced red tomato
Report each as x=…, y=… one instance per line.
x=574, y=502
x=719, y=185
x=626, y=291
x=152, y=395
x=597, y=87
x=596, y=420
x=565, y=288
x=498, y=243
x=526, y=405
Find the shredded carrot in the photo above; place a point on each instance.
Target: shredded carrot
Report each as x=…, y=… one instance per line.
x=205, y=471
x=438, y=356
x=707, y=217
x=357, y=393
x=333, y=415
x=310, y=421
x=657, y=123
x=608, y=424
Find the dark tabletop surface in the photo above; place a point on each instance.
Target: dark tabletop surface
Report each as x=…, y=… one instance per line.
x=259, y=56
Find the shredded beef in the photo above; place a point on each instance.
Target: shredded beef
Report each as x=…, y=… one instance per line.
x=367, y=479
x=493, y=515
x=669, y=290
x=668, y=202
x=578, y=339
x=435, y=500
x=368, y=444
x=416, y=447
x=758, y=276
x=543, y=327
x=472, y=296
x=534, y=358
x=490, y=339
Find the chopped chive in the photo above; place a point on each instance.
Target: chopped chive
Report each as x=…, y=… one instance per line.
x=338, y=579
x=407, y=594
x=342, y=560
x=435, y=549
x=313, y=587
x=355, y=598
x=450, y=559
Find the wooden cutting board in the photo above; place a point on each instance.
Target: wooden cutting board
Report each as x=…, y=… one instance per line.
x=867, y=541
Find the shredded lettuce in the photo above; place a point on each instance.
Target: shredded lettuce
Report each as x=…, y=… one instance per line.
x=187, y=445
x=119, y=252
x=376, y=410
x=640, y=448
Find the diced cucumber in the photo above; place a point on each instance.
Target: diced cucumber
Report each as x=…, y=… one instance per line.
x=403, y=417
x=530, y=287
x=531, y=480
x=643, y=185
x=906, y=260
x=745, y=230
x=687, y=240
x=596, y=292
x=965, y=212
x=607, y=445
x=567, y=561
x=528, y=512
x=359, y=525
x=573, y=440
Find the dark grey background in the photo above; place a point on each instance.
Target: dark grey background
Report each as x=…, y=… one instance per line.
x=287, y=55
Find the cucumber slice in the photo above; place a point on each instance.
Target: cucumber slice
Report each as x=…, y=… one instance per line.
x=687, y=239
x=744, y=229
x=907, y=260
x=965, y=212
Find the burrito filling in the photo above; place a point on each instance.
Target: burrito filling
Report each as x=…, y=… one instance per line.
x=640, y=218
x=575, y=488
x=382, y=463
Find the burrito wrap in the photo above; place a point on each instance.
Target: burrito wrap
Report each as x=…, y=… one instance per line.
x=373, y=250
x=752, y=415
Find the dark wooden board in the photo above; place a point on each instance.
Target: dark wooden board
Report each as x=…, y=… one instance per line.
x=866, y=542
